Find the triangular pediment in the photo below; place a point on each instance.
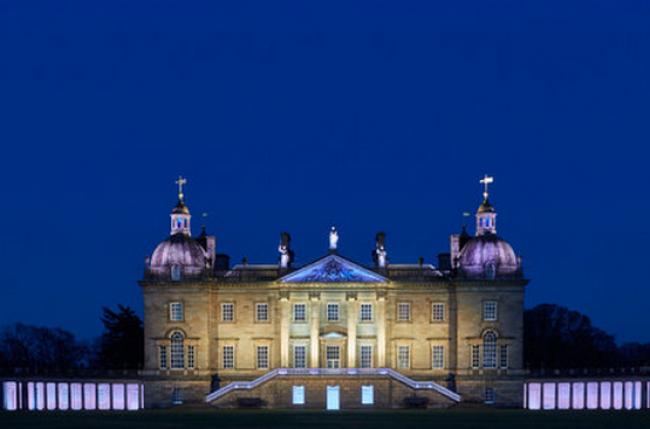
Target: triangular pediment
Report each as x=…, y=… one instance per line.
x=333, y=269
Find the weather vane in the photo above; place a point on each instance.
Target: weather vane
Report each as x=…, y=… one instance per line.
x=180, y=182
x=486, y=180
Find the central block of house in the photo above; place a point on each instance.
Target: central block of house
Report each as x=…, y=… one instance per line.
x=333, y=334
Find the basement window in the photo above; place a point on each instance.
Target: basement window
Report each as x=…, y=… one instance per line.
x=298, y=395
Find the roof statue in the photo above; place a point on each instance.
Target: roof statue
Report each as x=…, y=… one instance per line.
x=334, y=239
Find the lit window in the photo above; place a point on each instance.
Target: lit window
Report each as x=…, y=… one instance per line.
x=503, y=356
x=176, y=311
x=366, y=357
x=176, y=273
x=403, y=312
x=262, y=312
x=177, y=352
x=333, y=356
x=476, y=356
x=332, y=312
x=438, y=311
x=163, y=357
x=190, y=357
x=366, y=312
x=227, y=312
x=263, y=357
x=298, y=395
x=490, y=311
x=299, y=357
x=489, y=395
x=299, y=312
x=228, y=357
x=438, y=357
x=403, y=357
x=489, y=350
x=367, y=395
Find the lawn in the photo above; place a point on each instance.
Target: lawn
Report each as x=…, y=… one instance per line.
x=438, y=419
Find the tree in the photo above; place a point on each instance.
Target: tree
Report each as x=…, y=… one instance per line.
x=40, y=350
x=558, y=338
x=121, y=346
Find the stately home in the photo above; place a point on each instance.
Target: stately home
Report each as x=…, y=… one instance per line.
x=333, y=333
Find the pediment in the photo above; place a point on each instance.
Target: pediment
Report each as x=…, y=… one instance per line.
x=333, y=269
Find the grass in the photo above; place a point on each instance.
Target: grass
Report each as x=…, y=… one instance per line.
x=438, y=419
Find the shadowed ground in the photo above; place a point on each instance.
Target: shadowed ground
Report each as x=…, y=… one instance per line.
x=457, y=418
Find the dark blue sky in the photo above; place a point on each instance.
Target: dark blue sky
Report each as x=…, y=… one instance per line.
x=287, y=116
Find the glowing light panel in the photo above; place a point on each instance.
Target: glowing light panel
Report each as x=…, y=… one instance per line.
x=549, y=396
x=606, y=395
x=618, y=395
x=534, y=396
x=132, y=397
x=90, y=390
x=564, y=396
x=76, y=396
x=578, y=396
x=592, y=396
x=118, y=396
x=50, y=390
x=10, y=395
x=104, y=396
x=63, y=396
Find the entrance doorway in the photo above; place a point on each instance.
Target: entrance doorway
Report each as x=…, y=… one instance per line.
x=333, y=396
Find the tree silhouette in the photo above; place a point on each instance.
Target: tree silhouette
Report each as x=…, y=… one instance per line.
x=121, y=346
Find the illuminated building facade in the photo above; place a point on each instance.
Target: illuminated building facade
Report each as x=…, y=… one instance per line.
x=334, y=333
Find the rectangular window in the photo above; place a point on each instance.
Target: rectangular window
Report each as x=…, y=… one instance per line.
x=163, y=357
x=299, y=357
x=476, y=357
x=403, y=312
x=332, y=312
x=366, y=312
x=489, y=395
x=262, y=312
x=227, y=312
x=299, y=312
x=228, y=357
x=365, y=360
x=503, y=356
x=490, y=311
x=298, y=395
x=438, y=312
x=262, y=357
x=333, y=356
x=403, y=357
x=367, y=395
x=190, y=357
x=438, y=357
x=176, y=311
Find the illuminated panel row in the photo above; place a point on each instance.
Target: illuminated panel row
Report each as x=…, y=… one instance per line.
x=73, y=396
x=589, y=395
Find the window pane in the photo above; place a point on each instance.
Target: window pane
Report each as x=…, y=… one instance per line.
x=177, y=351
x=228, y=312
x=489, y=350
x=367, y=395
x=262, y=312
x=332, y=312
x=299, y=357
x=298, y=395
x=438, y=357
x=366, y=312
x=438, y=312
x=403, y=311
x=366, y=357
x=228, y=357
x=262, y=357
x=299, y=312
x=403, y=357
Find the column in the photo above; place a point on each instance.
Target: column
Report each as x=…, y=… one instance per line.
x=314, y=331
x=284, y=331
x=352, y=330
x=381, y=330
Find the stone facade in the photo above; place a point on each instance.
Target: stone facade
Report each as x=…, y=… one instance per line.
x=450, y=324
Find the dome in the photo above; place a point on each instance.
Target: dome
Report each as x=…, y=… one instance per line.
x=179, y=250
x=488, y=256
x=486, y=207
x=181, y=208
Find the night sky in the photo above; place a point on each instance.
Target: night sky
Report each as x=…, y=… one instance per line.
x=291, y=116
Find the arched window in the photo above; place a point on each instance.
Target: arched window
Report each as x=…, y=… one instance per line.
x=490, y=350
x=177, y=351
